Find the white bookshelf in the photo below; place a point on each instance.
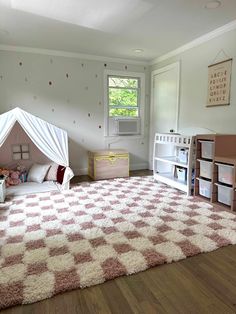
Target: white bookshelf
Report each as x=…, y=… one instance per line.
x=165, y=159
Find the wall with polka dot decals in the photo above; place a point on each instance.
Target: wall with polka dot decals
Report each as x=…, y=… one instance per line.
x=69, y=93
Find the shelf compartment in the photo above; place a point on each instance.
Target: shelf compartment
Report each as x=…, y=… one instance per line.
x=206, y=168
x=169, y=179
x=205, y=188
x=173, y=160
x=207, y=149
x=225, y=194
x=225, y=173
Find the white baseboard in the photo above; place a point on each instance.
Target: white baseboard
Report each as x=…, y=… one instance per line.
x=80, y=172
x=139, y=166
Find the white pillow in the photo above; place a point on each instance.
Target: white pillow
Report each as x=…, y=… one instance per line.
x=37, y=173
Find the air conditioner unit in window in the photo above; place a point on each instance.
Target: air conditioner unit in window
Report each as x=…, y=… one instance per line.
x=127, y=126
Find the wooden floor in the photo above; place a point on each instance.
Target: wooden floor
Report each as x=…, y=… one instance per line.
x=205, y=283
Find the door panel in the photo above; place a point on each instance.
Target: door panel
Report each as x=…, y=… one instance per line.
x=165, y=102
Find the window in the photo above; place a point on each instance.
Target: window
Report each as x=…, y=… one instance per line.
x=124, y=99
x=123, y=96
x=20, y=152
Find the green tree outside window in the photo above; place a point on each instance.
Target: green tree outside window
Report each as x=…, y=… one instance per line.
x=123, y=95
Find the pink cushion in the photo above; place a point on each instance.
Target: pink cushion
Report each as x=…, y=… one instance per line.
x=52, y=173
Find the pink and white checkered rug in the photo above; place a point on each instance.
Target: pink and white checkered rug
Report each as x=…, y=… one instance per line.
x=53, y=242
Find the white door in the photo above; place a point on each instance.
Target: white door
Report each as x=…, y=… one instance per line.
x=164, y=102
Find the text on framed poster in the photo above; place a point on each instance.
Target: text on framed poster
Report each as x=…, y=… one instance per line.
x=219, y=76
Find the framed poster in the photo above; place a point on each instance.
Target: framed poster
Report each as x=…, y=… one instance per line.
x=219, y=77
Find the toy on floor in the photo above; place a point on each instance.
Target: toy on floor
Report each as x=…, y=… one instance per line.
x=14, y=176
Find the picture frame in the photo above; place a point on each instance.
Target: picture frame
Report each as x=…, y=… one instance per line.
x=219, y=83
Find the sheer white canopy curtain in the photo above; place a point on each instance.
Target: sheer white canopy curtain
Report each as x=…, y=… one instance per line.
x=50, y=140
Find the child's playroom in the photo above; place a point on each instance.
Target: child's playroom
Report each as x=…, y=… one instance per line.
x=117, y=156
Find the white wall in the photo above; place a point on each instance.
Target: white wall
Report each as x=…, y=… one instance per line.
x=193, y=85
x=74, y=102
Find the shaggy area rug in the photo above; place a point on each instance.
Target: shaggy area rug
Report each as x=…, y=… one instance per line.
x=53, y=242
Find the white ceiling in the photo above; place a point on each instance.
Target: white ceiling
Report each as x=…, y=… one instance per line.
x=112, y=28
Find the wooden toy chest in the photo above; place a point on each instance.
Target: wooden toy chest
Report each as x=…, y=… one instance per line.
x=107, y=164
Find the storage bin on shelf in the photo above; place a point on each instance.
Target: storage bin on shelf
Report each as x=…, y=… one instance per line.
x=183, y=155
x=207, y=149
x=225, y=173
x=205, y=187
x=206, y=168
x=181, y=173
x=224, y=194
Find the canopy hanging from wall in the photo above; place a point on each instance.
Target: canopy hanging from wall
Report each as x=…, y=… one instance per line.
x=50, y=140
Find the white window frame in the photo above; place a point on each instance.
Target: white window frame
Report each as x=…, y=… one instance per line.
x=141, y=98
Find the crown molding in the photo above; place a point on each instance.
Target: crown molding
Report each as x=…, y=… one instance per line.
x=58, y=53
x=67, y=54
x=196, y=42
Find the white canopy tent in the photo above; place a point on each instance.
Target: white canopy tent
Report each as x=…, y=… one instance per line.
x=50, y=140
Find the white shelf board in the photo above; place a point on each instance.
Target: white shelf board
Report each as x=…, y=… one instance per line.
x=169, y=179
x=173, y=144
x=173, y=160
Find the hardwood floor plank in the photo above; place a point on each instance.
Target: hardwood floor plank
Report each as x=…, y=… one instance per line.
x=176, y=286
x=95, y=301
x=114, y=298
x=129, y=295
x=139, y=287
x=191, y=295
x=217, y=281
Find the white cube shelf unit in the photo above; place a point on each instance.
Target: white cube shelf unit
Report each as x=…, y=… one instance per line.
x=165, y=159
